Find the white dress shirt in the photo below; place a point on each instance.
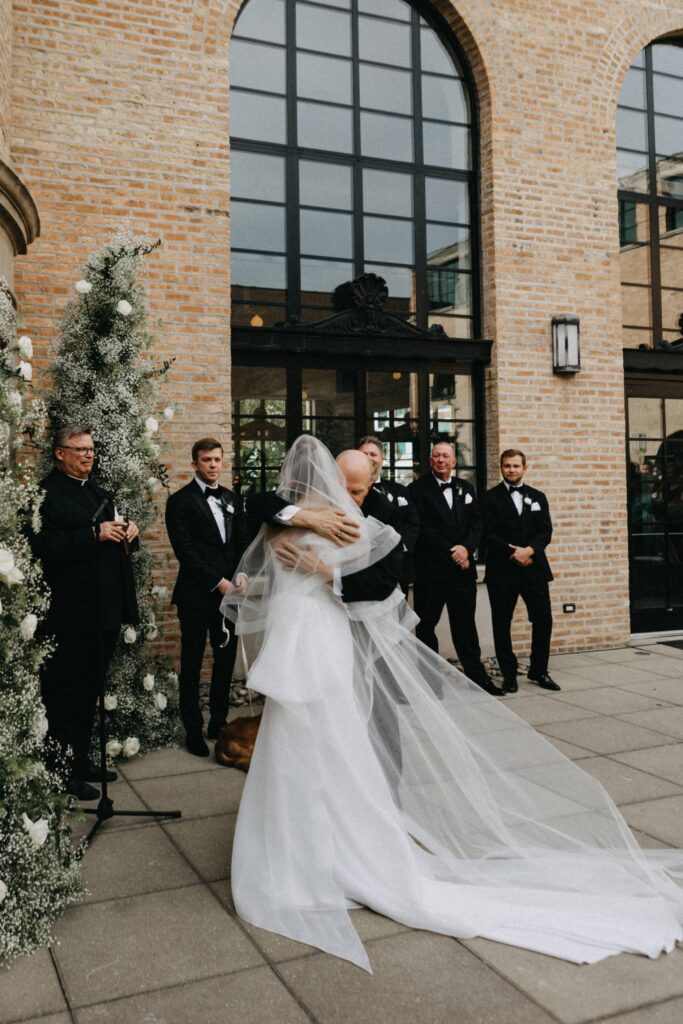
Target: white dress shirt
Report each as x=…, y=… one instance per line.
x=215, y=506
x=447, y=494
x=516, y=497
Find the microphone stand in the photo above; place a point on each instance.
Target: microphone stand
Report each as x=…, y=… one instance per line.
x=105, y=807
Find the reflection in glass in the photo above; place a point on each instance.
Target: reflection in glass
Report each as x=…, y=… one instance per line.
x=645, y=417
x=668, y=95
x=323, y=127
x=392, y=403
x=326, y=234
x=632, y=171
x=444, y=241
x=257, y=176
x=668, y=58
x=258, y=271
x=435, y=56
x=447, y=200
x=388, y=241
x=449, y=291
x=444, y=99
x=384, y=192
x=451, y=396
x=386, y=89
x=446, y=146
x=635, y=337
x=672, y=307
x=670, y=183
x=632, y=129
x=250, y=310
x=319, y=278
x=634, y=226
x=388, y=137
x=323, y=78
x=636, y=303
x=323, y=184
x=388, y=8
x=671, y=262
x=674, y=415
x=257, y=67
x=453, y=326
x=668, y=135
x=384, y=42
x=257, y=226
x=400, y=282
x=337, y=434
x=633, y=89
x=323, y=31
x=258, y=117
x=328, y=393
x=259, y=431
x=264, y=20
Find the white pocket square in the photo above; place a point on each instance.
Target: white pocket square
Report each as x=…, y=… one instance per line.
x=468, y=499
x=401, y=501
x=535, y=507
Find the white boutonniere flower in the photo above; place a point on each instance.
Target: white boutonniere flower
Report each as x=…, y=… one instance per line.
x=25, y=370
x=25, y=346
x=527, y=500
x=535, y=507
x=226, y=507
x=389, y=496
x=37, y=830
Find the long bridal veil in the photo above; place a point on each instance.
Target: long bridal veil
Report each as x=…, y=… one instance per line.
x=383, y=776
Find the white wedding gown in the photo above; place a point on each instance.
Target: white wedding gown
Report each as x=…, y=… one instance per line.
x=449, y=814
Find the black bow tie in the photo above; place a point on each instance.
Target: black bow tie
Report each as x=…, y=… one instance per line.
x=211, y=492
x=445, y=487
x=515, y=490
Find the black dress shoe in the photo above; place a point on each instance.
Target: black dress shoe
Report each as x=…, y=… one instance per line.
x=194, y=742
x=487, y=684
x=544, y=680
x=510, y=686
x=214, y=727
x=93, y=773
x=80, y=789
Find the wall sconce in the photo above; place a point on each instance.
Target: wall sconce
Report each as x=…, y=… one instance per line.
x=566, y=344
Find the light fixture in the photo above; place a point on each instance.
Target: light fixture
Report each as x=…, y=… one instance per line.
x=566, y=344
x=256, y=321
x=396, y=376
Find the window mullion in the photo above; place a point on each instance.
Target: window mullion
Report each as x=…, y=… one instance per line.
x=293, y=299
x=419, y=201
x=655, y=275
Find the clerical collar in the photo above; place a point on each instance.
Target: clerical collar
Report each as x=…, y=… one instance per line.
x=77, y=479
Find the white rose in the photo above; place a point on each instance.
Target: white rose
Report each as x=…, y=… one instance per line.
x=40, y=729
x=153, y=483
x=110, y=702
x=131, y=746
x=161, y=701
x=172, y=678
x=151, y=425
x=152, y=633
x=155, y=450
x=169, y=412
x=83, y=287
x=113, y=748
x=15, y=399
x=25, y=370
x=25, y=346
x=148, y=682
x=129, y=635
x=3, y=891
x=159, y=593
x=124, y=308
x=9, y=573
x=37, y=830
x=27, y=626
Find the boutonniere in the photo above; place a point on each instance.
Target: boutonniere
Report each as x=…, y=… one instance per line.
x=389, y=496
x=229, y=509
x=527, y=500
x=458, y=492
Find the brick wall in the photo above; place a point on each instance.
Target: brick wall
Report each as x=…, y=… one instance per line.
x=121, y=110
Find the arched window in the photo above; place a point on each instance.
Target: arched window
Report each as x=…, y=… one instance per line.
x=650, y=171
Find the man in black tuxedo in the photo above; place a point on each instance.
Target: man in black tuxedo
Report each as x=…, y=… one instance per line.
x=84, y=545
x=405, y=520
x=445, y=573
x=208, y=532
x=517, y=530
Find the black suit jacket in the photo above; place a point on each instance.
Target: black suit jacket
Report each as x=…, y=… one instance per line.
x=441, y=528
x=403, y=515
x=91, y=581
x=376, y=582
x=204, y=559
x=503, y=525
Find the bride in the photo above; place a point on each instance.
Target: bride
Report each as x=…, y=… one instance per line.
x=473, y=825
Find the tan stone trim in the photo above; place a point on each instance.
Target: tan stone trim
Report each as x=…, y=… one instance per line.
x=18, y=213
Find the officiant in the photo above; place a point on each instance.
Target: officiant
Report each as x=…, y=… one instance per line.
x=84, y=544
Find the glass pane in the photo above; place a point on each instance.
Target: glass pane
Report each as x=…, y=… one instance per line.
x=256, y=386
x=668, y=95
x=672, y=470
x=675, y=567
x=386, y=89
x=447, y=242
x=346, y=4
x=264, y=20
x=384, y=42
x=667, y=57
x=400, y=282
x=327, y=185
x=385, y=136
x=671, y=262
x=632, y=171
x=645, y=417
x=635, y=265
x=257, y=117
x=388, y=240
x=336, y=434
x=258, y=271
x=636, y=305
x=257, y=176
x=323, y=78
x=648, y=572
x=444, y=99
x=453, y=326
x=447, y=200
x=259, y=427
x=636, y=337
x=670, y=183
x=668, y=135
x=673, y=408
x=449, y=292
x=326, y=234
x=327, y=128
x=384, y=192
x=323, y=31
x=327, y=393
x=319, y=278
x=435, y=56
x=451, y=396
x=256, y=226
x=249, y=310
x=446, y=146
x=388, y=8
x=632, y=130
x=633, y=89
x=257, y=67
x=634, y=223
x=672, y=307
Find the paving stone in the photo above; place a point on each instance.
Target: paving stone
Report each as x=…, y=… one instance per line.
x=576, y=993
x=197, y=796
x=666, y=650
x=622, y=654
x=51, y=1018
x=278, y=948
x=647, y=842
x=627, y=785
x=29, y=987
x=255, y=996
x=574, y=680
x=417, y=976
x=664, y=762
x=132, y=862
x=620, y=674
x=124, y=798
x=206, y=842
x=661, y=818
x=537, y=709
x=670, y=1012
x=612, y=700
x=668, y=720
x=605, y=735
x=660, y=665
x=569, y=750
x=132, y=945
x=173, y=761
x=660, y=687
x=571, y=661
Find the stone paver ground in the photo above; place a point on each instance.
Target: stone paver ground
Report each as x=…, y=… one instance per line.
x=157, y=940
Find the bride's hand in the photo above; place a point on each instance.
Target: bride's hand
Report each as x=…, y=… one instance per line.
x=303, y=560
x=331, y=523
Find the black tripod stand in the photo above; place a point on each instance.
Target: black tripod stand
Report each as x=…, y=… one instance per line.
x=105, y=807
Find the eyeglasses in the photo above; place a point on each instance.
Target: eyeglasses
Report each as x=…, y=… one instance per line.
x=81, y=451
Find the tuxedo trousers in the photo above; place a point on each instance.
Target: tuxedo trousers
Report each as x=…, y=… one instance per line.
x=195, y=623
x=429, y=600
x=70, y=684
x=503, y=598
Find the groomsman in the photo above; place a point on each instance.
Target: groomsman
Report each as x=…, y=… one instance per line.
x=445, y=573
x=404, y=520
x=208, y=532
x=517, y=530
